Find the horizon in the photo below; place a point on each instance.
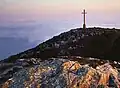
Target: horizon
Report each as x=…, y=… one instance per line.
x=33, y=21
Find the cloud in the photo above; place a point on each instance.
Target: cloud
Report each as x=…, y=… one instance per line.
x=34, y=31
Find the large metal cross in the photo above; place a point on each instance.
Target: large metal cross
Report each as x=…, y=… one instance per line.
x=84, y=13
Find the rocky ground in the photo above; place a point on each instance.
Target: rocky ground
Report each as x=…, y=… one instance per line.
x=67, y=73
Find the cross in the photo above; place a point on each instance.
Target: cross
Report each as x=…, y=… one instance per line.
x=84, y=13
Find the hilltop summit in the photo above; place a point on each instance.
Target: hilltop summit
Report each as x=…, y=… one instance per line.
x=95, y=42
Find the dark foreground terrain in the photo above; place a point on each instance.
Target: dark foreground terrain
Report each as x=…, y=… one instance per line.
x=101, y=43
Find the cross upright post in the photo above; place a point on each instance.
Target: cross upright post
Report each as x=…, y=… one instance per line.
x=84, y=24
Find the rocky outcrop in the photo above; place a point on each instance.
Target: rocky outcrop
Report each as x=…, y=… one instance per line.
x=64, y=73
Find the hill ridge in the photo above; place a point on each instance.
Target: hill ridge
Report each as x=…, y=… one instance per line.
x=94, y=42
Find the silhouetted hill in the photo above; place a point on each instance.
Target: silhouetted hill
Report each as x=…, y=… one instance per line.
x=103, y=43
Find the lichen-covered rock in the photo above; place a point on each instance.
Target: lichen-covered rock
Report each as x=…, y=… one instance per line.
x=61, y=73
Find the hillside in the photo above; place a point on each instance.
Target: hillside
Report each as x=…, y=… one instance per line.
x=48, y=62
x=95, y=42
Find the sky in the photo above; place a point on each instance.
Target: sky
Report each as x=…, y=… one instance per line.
x=33, y=21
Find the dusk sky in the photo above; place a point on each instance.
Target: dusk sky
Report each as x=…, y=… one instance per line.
x=34, y=21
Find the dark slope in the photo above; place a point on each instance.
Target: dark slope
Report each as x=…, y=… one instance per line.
x=102, y=43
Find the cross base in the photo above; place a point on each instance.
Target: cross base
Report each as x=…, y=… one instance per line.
x=84, y=27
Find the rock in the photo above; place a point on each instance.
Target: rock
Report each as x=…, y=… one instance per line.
x=61, y=73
